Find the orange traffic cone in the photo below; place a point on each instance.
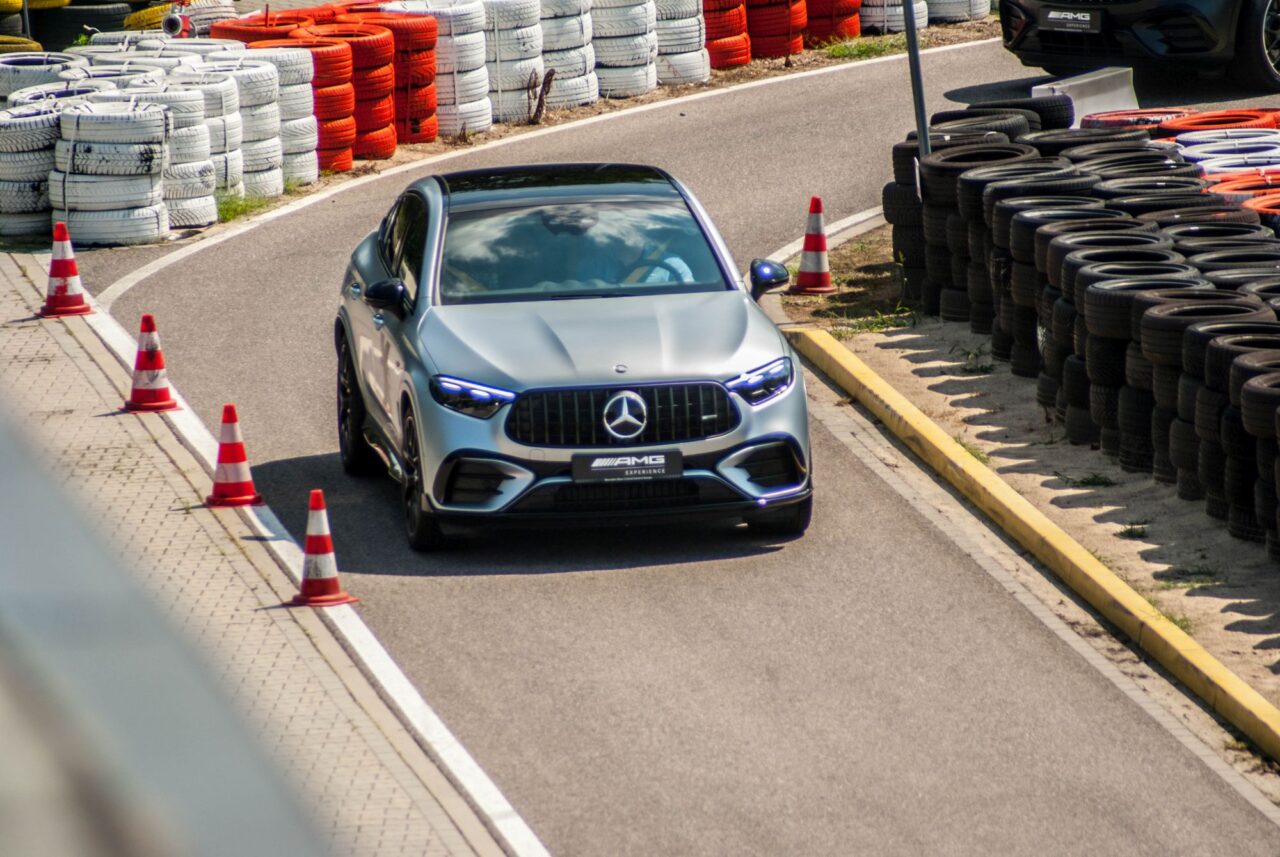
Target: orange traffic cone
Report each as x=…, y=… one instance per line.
x=232, y=482
x=815, y=273
x=320, y=587
x=150, y=381
x=65, y=295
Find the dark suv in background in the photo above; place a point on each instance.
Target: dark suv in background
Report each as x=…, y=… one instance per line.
x=1070, y=36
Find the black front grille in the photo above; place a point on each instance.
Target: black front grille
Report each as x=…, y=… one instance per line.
x=575, y=418
x=1184, y=34
x=1080, y=44
x=473, y=482
x=772, y=466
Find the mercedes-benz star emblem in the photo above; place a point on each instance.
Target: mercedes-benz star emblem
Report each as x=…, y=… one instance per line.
x=625, y=415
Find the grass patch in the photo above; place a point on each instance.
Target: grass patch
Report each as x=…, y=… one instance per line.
x=1189, y=577
x=1089, y=480
x=232, y=207
x=1180, y=620
x=973, y=450
x=1134, y=530
x=878, y=322
x=868, y=47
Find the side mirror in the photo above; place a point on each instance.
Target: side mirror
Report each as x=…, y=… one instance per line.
x=386, y=294
x=766, y=275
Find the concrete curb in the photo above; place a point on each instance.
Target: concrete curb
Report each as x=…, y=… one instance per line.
x=1224, y=691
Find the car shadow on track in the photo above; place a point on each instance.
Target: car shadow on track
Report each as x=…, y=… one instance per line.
x=365, y=518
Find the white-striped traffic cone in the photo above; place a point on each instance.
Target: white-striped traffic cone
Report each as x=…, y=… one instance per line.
x=320, y=586
x=65, y=295
x=815, y=272
x=150, y=390
x=232, y=482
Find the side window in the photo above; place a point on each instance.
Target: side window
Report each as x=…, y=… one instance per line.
x=411, y=229
x=389, y=246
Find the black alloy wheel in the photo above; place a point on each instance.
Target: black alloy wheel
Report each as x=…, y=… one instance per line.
x=423, y=531
x=358, y=459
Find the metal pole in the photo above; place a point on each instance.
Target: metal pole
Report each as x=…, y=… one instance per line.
x=26, y=20
x=917, y=82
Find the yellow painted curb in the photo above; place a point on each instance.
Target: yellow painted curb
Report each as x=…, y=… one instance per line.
x=1220, y=688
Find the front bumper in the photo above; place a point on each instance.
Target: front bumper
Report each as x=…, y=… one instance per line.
x=1136, y=32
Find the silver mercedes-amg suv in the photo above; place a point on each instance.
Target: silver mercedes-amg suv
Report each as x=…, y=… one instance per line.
x=540, y=344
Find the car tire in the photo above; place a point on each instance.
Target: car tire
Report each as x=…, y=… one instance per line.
x=792, y=520
x=357, y=457
x=422, y=529
x=1251, y=64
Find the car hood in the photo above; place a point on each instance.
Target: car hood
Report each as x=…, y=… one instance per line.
x=532, y=344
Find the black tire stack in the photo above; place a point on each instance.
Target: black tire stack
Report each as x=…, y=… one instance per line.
x=56, y=29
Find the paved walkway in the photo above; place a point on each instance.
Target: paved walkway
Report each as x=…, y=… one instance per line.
x=372, y=789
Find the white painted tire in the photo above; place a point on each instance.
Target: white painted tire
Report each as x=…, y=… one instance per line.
x=31, y=68
x=125, y=38
x=299, y=136
x=226, y=133
x=507, y=45
x=26, y=166
x=260, y=122
x=192, y=213
x=578, y=91
x=266, y=184
x=563, y=34
x=511, y=14
x=627, y=82
x=120, y=76
x=24, y=197
x=301, y=167
x=261, y=155
x=681, y=36
x=185, y=106
x=235, y=190
x=122, y=226
x=190, y=144
x=514, y=106
x=886, y=17
x=221, y=95
x=517, y=74
x=611, y=4
x=165, y=61
x=460, y=53
x=979, y=9
x=74, y=192
x=626, y=52
x=258, y=81
x=59, y=90
x=198, y=46
x=678, y=10
x=454, y=19
x=228, y=167
x=463, y=87
x=475, y=116
x=572, y=63
x=293, y=65
x=612, y=23
x=36, y=223
x=26, y=129
x=190, y=181
x=297, y=101
x=565, y=8
x=948, y=11
x=109, y=159
x=115, y=122
x=678, y=69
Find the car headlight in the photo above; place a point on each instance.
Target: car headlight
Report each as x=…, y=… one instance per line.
x=760, y=385
x=475, y=400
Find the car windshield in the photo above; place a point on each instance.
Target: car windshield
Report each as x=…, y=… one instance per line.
x=581, y=249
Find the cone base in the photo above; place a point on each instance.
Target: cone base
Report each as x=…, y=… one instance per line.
x=152, y=407
x=815, y=290
x=247, y=500
x=47, y=311
x=334, y=600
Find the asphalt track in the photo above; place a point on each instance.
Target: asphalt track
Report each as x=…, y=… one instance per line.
x=867, y=689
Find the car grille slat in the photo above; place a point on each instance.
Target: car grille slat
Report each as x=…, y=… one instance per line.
x=575, y=417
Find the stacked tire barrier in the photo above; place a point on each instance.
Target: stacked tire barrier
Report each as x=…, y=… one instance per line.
x=513, y=58
x=1136, y=279
x=258, y=87
x=728, y=45
x=566, y=49
x=27, y=139
x=298, y=128
x=776, y=28
x=682, y=34
x=22, y=70
x=373, y=77
x=107, y=183
x=462, y=77
x=333, y=97
x=60, y=27
x=626, y=47
x=955, y=11
x=414, y=40
x=262, y=27
x=886, y=16
x=833, y=21
x=222, y=118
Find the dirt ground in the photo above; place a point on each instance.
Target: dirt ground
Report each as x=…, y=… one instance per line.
x=1222, y=591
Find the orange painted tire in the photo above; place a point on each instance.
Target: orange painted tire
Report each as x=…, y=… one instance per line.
x=335, y=160
x=1129, y=118
x=415, y=69
x=323, y=14
x=730, y=52
x=371, y=46
x=410, y=32
x=1216, y=119
x=776, y=46
x=833, y=8
x=334, y=102
x=337, y=133
x=726, y=23
x=1265, y=204
x=823, y=31
x=372, y=115
x=780, y=19
x=375, y=145
x=1249, y=173
x=257, y=29
x=374, y=83
x=331, y=58
x=1240, y=191
x=720, y=5
x=424, y=130
x=415, y=102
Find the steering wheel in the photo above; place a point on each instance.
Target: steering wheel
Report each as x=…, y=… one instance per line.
x=676, y=275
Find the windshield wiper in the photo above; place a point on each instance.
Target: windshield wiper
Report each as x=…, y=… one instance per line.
x=572, y=296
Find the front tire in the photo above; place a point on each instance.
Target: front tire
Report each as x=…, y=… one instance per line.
x=358, y=458
x=421, y=528
x=1257, y=60
x=790, y=520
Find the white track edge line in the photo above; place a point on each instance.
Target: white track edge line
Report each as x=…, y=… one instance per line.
x=498, y=815
x=117, y=289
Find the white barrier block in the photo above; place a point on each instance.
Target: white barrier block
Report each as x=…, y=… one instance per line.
x=1098, y=91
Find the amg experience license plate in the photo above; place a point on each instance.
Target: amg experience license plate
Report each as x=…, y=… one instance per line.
x=1071, y=20
x=612, y=467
